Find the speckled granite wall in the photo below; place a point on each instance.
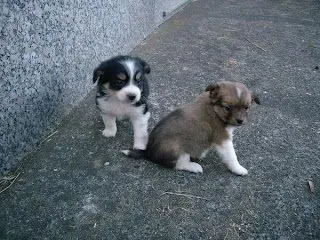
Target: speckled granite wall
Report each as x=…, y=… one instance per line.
x=48, y=50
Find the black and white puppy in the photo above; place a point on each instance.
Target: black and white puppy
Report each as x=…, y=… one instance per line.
x=122, y=91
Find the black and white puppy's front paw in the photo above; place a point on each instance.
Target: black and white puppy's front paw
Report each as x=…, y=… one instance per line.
x=110, y=132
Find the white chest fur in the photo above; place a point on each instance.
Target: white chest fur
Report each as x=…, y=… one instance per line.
x=113, y=106
x=230, y=132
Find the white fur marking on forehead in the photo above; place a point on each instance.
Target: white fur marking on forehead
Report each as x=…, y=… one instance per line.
x=238, y=92
x=130, y=67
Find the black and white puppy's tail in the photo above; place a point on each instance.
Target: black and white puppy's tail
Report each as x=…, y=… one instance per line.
x=135, y=153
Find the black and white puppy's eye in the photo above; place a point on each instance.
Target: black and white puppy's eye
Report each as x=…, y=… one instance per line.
x=138, y=76
x=121, y=76
x=246, y=107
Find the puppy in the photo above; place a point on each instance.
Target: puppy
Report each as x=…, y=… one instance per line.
x=122, y=91
x=188, y=133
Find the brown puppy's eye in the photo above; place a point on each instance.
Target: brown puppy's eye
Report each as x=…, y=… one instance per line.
x=246, y=107
x=226, y=107
x=122, y=76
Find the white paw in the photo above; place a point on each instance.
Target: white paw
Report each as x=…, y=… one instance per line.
x=239, y=170
x=195, y=167
x=109, y=132
x=190, y=167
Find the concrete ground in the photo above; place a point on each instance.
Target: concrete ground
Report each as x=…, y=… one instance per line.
x=78, y=185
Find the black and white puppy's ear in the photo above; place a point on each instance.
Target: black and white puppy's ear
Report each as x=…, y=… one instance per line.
x=97, y=74
x=214, y=90
x=145, y=65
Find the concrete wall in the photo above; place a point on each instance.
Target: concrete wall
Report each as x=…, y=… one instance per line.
x=48, y=50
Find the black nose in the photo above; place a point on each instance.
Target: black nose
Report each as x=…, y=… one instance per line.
x=131, y=97
x=239, y=121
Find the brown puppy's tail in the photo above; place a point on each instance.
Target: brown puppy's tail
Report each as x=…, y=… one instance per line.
x=135, y=153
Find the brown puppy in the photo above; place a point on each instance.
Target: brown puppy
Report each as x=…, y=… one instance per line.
x=191, y=131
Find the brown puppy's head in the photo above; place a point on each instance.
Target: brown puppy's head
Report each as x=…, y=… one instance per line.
x=231, y=101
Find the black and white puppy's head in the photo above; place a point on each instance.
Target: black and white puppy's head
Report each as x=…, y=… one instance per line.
x=124, y=76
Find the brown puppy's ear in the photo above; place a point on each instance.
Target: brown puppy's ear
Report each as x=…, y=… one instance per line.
x=213, y=89
x=255, y=98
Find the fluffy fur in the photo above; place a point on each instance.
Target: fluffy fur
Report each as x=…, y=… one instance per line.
x=122, y=91
x=188, y=133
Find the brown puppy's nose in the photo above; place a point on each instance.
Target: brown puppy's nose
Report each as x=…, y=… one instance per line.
x=239, y=121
